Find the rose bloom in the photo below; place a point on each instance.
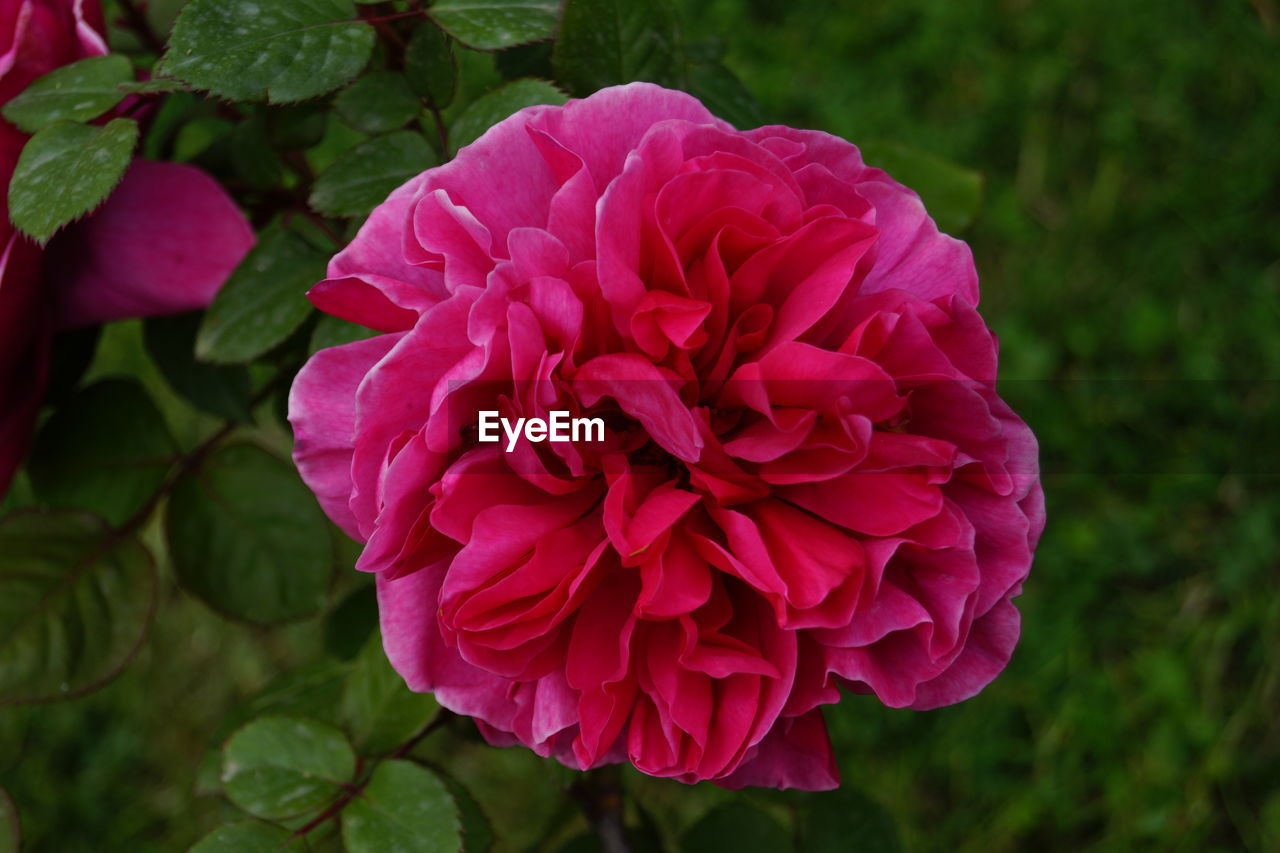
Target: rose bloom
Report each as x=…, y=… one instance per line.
x=164, y=242
x=807, y=482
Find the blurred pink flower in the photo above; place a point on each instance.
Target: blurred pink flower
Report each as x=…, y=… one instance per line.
x=165, y=241
x=807, y=479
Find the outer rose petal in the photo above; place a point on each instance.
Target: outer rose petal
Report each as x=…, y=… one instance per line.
x=164, y=242
x=989, y=647
x=411, y=637
x=795, y=754
x=323, y=414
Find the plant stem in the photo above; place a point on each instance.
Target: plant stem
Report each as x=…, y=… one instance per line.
x=335, y=808
x=441, y=130
x=599, y=794
x=135, y=19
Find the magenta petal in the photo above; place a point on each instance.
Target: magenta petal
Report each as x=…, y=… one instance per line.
x=323, y=414
x=987, y=651
x=795, y=754
x=164, y=242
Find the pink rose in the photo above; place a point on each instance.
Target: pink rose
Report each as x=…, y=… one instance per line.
x=165, y=241
x=807, y=479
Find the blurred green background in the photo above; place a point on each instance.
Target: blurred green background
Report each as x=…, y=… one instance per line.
x=1129, y=248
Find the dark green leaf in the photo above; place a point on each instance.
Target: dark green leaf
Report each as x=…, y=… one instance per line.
x=197, y=138
x=76, y=601
x=279, y=767
x=263, y=302
x=404, y=807
x=952, y=194
x=495, y=24
x=313, y=691
x=477, y=832
x=361, y=179
x=526, y=60
x=216, y=389
x=242, y=532
x=76, y=92
x=107, y=450
x=495, y=105
x=296, y=126
x=380, y=710
x=10, y=824
x=283, y=50
x=610, y=42
x=378, y=102
x=724, y=94
x=65, y=171
x=333, y=331
x=833, y=821
x=154, y=86
x=736, y=827
x=250, y=836
x=255, y=161
x=349, y=626
x=430, y=66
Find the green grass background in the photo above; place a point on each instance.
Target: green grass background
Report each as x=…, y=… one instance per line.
x=1129, y=248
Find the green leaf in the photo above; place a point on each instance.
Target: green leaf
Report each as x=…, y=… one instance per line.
x=297, y=126
x=107, y=450
x=723, y=93
x=200, y=137
x=736, y=827
x=10, y=824
x=255, y=161
x=76, y=92
x=154, y=86
x=76, y=601
x=283, y=50
x=610, y=42
x=495, y=24
x=380, y=710
x=243, y=536
x=250, y=836
x=334, y=331
x=430, y=66
x=404, y=807
x=361, y=179
x=313, y=690
x=263, y=302
x=952, y=194
x=349, y=626
x=219, y=390
x=65, y=171
x=496, y=104
x=477, y=831
x=525, y=60
x=279, y=767
x=828, y=820
x=379, y=102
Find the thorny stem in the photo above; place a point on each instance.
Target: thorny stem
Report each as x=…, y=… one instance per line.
x=135, y=19
x=599, y=793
